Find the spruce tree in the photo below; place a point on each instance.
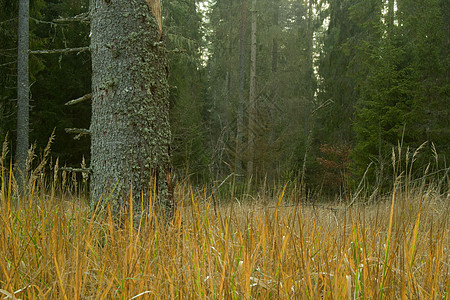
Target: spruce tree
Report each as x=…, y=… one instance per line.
x=130, y=133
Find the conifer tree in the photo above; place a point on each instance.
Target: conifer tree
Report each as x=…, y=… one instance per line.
x=183, y=27
x=402, y=83
x=130, y=134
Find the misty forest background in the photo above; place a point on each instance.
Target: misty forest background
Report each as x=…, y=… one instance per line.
x=337, y=85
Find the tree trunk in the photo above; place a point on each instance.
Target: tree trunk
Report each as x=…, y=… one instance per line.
x=130, y=132
x=240, y=111
x=309, y=98
x=274, y=83
x=276, y=12
x=23, y=91
x=309, y=73
x=252, y=97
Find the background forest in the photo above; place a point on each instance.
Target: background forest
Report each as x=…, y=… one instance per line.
x=317, y=92
x=271, y=102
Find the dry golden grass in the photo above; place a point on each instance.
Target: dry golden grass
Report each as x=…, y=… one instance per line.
x=52, y=248
x=55, y=247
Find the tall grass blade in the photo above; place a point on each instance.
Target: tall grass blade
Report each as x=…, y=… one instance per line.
x=388, y=242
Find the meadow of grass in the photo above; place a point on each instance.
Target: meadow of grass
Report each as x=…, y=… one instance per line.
x=53, y=246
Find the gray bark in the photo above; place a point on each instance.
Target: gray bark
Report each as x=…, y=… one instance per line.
x=310, y=96
x=252, y=97
x=241, y=98
x=23, y=90
x=309, y=73
x=276, y=8
x=130, y=132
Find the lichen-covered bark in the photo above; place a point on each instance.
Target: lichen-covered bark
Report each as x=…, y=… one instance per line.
x=130, y=127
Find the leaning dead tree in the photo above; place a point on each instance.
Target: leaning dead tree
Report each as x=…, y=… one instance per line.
x=130, y=133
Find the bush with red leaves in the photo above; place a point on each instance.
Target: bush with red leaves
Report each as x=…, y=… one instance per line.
x=334, y=162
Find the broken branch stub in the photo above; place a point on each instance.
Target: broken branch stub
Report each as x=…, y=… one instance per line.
x=155, y=5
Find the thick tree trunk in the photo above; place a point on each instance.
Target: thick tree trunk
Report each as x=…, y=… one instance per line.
x=252, y=97
x=23, y=91
x=130, y=132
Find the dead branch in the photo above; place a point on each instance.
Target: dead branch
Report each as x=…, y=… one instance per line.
x=83, y=17
x=8, y=63
x=80, y=132
x=78, y=170
x=78, y=100
x=54, y=51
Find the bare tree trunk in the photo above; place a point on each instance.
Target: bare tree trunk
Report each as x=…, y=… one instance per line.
x=310, y=72
x=241, y=100
x=23, y=91
x=276, y=12
x=130, y=109
x=273, y=100
x=309, y=96
x=252, y=97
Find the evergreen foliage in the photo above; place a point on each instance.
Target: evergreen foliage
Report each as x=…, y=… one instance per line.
x=8, y=61
x=54, y=79
x=65, y=77
x=404, y=85
x=359, y=75
x=183, y=26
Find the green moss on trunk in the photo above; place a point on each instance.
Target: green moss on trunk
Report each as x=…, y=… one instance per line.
x=130, y=108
